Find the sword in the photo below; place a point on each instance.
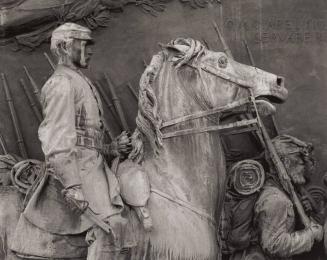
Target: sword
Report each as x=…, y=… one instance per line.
x=89, y=214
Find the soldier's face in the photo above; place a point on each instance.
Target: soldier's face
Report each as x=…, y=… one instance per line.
x=81, y=53
x=298, y=169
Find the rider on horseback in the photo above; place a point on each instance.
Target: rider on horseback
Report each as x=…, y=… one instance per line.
x=72, y=136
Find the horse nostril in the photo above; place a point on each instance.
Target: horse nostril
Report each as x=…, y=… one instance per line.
x=280, y=81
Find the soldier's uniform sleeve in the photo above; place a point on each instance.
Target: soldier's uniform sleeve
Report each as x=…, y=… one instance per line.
x=57, y=132
x=275, y=218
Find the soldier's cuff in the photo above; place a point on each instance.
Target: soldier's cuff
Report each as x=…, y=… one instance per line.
x=65, y=170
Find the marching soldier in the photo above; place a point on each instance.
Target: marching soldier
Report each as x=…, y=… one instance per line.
x=274, y=210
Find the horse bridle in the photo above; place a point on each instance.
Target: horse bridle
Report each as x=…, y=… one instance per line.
x=217, y=110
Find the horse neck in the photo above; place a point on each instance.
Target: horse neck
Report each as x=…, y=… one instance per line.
x=191, y=167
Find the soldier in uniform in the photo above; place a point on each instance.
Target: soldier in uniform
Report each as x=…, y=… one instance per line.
x=72, y=137
x=274, y=210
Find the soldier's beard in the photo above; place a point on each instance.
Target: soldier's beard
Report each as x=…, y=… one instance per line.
x=297, y=176
x=74, y=56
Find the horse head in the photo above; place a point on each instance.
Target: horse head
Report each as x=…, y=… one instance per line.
x=185, y=77
x=182, y=94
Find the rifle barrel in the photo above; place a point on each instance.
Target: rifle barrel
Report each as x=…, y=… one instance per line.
x=117, y=104
x=249, y=52
x=206, y=43
x=221, y=38
x=283, y=177
x=253, y=64
x=106, y=100
x=14, y=117
x=33, y=105
x=36, y=89
x=53, y=66
x=3, y=144
x=132, y=90
x=144, y=63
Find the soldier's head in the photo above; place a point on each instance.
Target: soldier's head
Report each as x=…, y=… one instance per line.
x=71, y=43
x=296, y=156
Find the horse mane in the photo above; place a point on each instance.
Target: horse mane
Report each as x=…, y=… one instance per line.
x=148, y=120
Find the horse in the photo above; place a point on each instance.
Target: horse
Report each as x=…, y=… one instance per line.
x=182, y=152
x=183, y=92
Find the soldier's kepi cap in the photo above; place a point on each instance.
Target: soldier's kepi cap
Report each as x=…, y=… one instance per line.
x=287, y=144
x=71, y=31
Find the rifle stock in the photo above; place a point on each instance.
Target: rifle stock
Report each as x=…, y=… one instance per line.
x=14, y=117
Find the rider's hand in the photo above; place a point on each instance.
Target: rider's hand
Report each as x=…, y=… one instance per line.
x=305, y=201
x=121, y=145
x=75, y=199
x=317, y=231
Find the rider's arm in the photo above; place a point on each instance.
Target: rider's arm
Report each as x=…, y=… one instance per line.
x=57, y=131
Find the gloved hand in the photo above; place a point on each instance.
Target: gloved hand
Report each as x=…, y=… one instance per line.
x=121, y=145
x=75, y=199
x=136, y=154
x=306, y=204
x=317, y=231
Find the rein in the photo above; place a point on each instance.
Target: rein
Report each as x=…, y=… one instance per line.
x=185, y=204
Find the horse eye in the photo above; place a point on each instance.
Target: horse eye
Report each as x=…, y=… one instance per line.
x=222, y=62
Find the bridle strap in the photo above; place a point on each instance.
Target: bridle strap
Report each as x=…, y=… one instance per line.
x=209, y=128
x=209, y=112
x=224, y=75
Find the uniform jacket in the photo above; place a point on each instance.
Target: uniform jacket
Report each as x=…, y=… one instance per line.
x=274, y=214
x=70, y=134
